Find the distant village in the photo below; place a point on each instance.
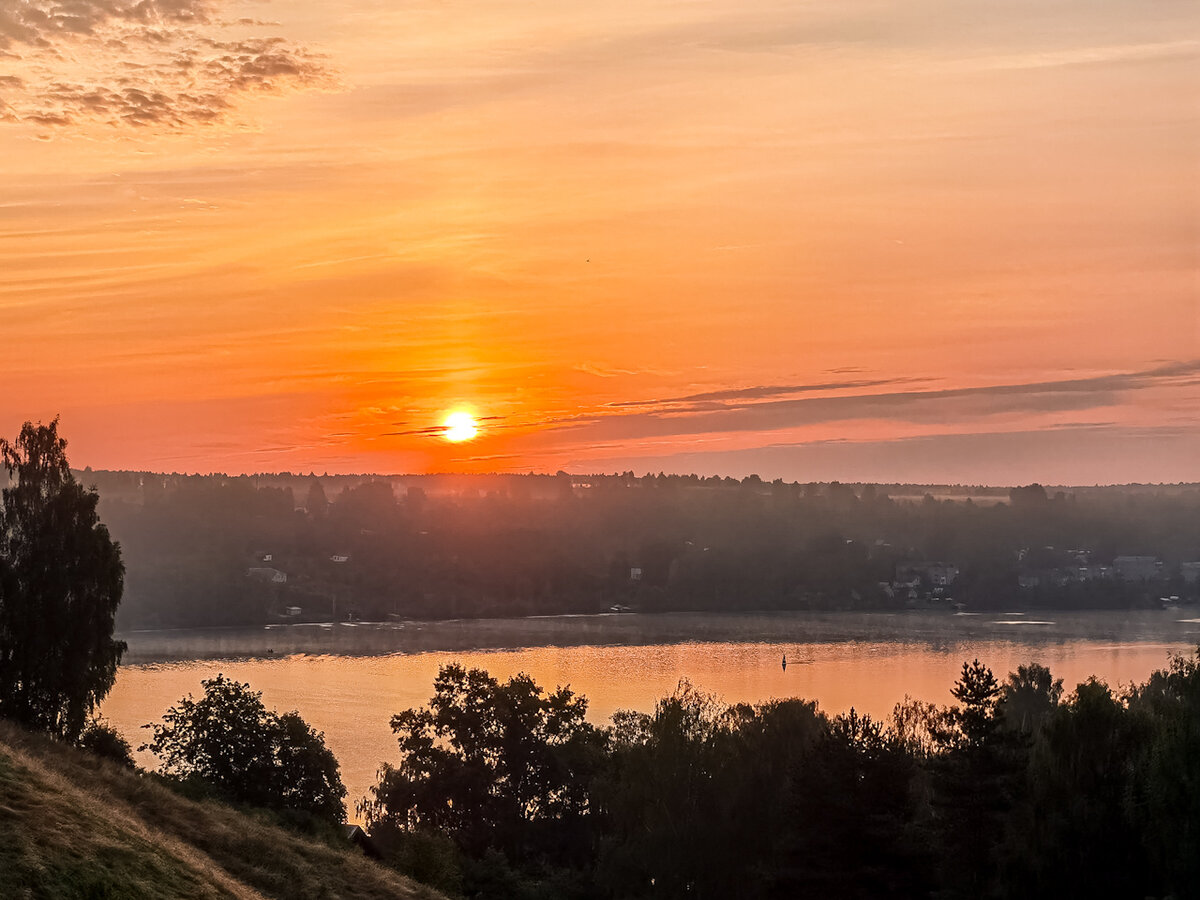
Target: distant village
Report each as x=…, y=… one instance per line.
x=932, y=583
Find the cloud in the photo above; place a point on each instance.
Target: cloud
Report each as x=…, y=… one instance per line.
x=1086, y=56
x=158, y=64
x=762, y=392
x=760, y=409
x=492, y=422
x=39, y=23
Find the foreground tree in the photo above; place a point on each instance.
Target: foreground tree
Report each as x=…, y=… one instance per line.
x=973, y=782
x=1028, y=699
x=1070, y=834
x=978, y=692
x=61, y=579
x=858, y=804
x=228, y=739
x=697, y=800
x=496, y=766
x=1163, y=801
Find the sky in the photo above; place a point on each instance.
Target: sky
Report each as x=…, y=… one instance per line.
x=945, y=241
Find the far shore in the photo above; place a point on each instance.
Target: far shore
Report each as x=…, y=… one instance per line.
x=611, y=628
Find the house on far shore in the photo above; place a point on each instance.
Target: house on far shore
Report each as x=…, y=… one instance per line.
x=1090, y=573
x=940, y=574
x=291, y=611
x=339, y=558
x=266, y=573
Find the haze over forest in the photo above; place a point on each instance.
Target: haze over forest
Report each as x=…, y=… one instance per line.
x=285, y=548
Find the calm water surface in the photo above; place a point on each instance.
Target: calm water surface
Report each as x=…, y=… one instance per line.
x=347, y=680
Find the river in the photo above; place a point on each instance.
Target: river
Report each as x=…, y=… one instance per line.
x=348, y=679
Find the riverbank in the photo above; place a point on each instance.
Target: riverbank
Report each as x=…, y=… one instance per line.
x=635, y=629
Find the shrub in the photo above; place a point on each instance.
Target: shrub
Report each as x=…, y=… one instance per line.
x=104, y=741
x=248, y=753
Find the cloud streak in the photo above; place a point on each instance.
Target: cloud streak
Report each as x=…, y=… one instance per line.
x=771, y=409
x=439, y=430
x=163, y=65
x=760, y=392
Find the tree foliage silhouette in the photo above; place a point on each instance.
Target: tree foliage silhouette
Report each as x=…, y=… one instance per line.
x=61, y=579
x=500, y=765
x=1028, y=698
x=1016, y=790
x=978, y=691
x=231, y=741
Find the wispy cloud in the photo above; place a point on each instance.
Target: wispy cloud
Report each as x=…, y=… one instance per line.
x=762, y=409
x=612, y=372
x=760, y=392
x=1088, y=56
x=438, y=430
x=159, y=64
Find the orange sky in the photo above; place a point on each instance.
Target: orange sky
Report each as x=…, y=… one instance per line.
x=929, y=240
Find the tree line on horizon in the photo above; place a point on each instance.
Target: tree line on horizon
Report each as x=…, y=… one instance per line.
x=558, y=544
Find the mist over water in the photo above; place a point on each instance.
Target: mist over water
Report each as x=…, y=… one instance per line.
x=348, y=680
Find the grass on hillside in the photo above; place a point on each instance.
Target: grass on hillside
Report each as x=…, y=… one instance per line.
x=75, y=826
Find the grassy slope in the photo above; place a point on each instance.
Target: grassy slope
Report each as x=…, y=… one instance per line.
x=72, y=826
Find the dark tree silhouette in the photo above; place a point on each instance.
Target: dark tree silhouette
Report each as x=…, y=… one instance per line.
x=231, y=741
x=505, y=766
x=61, y=579
x=1164, y=802
x=1014, y=791
x=855, y=833
x=1028, y=698
x=316, y=504
x=977, y=690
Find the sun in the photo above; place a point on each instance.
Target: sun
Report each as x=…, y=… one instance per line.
x=459, y=427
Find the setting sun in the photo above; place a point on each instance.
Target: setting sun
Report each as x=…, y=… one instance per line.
x=460, y=426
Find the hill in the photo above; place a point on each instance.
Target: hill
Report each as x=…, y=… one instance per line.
x=74, y=826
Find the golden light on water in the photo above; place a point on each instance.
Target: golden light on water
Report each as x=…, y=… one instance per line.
x=460, y=426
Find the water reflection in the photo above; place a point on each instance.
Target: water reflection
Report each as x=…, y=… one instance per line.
x=348, y=681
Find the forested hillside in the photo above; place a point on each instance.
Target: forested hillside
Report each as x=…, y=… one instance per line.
x=213, y=550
